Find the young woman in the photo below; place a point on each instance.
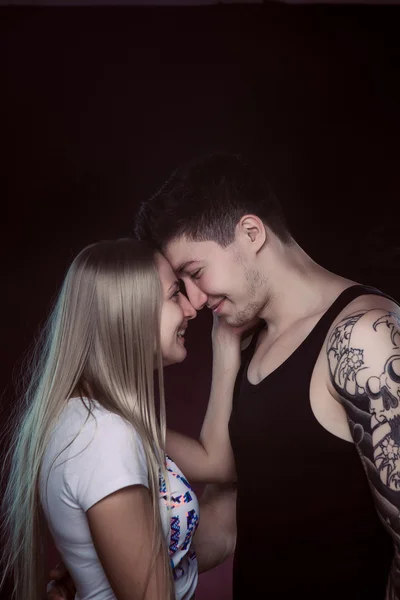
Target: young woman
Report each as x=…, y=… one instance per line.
x=88, y=453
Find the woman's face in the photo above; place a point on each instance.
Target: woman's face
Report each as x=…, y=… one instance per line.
x=175, y=314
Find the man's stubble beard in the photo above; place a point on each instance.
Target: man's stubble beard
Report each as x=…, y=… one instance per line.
x=256, y=284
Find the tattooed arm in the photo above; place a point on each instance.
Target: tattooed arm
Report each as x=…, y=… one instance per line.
x=364, y=365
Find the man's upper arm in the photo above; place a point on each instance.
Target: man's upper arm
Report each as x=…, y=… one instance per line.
x=121, y=526
x=215, y=538
x=364, y=365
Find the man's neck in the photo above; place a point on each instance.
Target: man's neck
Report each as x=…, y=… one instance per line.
x=299, y=287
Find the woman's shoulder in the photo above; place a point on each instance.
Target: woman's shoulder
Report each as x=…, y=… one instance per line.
x=106, y=455
x=88, y=420
x=88, y=411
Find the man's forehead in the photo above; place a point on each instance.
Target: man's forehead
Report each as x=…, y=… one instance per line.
x=181, y=262
x=182, y=254
x=184, y=267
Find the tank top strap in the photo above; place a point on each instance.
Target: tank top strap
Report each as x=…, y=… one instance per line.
x=348, y=295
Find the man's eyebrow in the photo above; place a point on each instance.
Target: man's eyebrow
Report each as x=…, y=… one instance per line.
x=184, y=266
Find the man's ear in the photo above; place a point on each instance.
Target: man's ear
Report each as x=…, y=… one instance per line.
x=251, y=230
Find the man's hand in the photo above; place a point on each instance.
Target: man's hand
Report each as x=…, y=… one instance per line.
x=61, y=586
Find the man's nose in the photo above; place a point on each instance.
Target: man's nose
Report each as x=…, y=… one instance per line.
x=189, y=311
x=197, y=298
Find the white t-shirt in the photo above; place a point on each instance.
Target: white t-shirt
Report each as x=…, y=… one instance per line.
x=105, y=456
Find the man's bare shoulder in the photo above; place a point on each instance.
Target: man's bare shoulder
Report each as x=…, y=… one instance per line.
x=362, y=306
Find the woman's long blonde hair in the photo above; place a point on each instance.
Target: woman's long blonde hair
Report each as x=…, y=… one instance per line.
x=103, y=339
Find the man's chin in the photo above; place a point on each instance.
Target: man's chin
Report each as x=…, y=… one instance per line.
x=240, y=320
x=235, y=322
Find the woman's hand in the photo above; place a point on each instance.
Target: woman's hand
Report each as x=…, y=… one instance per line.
x=227, y=340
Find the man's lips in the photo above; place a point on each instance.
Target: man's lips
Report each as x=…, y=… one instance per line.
x=216, y=307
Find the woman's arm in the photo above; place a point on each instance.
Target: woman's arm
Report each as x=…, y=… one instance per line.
x=121, y=527
x=214, y=540
x=210, y=459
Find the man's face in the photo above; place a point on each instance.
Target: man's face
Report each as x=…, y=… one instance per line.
x=224, y=279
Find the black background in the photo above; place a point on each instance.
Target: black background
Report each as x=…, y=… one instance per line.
x=98, y=105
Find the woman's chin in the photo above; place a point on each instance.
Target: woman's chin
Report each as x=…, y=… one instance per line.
x=176, y=359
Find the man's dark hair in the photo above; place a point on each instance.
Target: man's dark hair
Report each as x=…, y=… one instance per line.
x=205, y=201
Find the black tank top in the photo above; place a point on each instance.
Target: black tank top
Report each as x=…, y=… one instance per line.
x=307, y=526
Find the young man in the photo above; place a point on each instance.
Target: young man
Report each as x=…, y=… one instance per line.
x=318, y=390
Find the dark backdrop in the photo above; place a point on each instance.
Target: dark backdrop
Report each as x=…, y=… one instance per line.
x=99, y=104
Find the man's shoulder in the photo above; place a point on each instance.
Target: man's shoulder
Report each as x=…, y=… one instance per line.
x=363, y=340
x=358, y=326
x=363, y=311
